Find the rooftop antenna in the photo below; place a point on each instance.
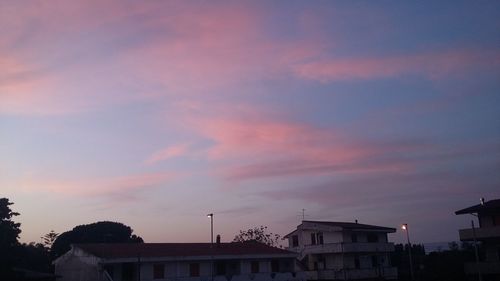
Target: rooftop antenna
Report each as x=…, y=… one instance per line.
x=303, y=215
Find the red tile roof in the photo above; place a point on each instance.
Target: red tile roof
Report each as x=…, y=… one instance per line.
x=121, y=250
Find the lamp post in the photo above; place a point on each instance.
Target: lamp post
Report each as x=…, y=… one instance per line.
x=211, y=216
x=405, y=227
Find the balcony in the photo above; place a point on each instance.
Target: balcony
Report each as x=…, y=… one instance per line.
x=481, y=233
x=485, y=267
x=333, y=248
x=366, y=273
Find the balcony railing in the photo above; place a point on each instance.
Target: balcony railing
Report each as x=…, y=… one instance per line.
x=344, y=248
x=287, y=276
x=481, y=233
x=364, y=273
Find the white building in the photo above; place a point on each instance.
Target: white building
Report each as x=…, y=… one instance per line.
x=488, y=234
x=248, y=261
x=343, y=250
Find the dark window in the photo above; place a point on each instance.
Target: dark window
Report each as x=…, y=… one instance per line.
x=372, y=238
x=220, y=268
x=158, y=271
x=354, y=238
x=194, y=269
x=128, y=272
x=255, y=267
x=356, y=263
x=295, y=241
x=496, y=220
x=275, y=266
x=313, y=238
x=320, y=238
x=374, y=261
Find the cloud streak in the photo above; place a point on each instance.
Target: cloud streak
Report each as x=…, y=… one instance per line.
x=167, y=153
x=113, y=188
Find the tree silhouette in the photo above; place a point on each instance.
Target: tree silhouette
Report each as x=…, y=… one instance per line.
x=9, y=233
x=99, y=232
x=49, y=238
x=258, y=234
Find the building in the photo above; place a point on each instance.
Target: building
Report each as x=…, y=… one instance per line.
x=343, y=250
x=488, y=234
x=247, y=261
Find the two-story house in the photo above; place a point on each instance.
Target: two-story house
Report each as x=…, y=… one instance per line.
x=343, y=250
x=488, y=234
x=238, y=261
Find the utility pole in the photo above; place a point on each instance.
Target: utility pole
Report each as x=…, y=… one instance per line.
x=480, y=278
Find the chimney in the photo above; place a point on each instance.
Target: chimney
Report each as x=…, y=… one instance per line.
x=481, y=200
x=218, y=240
x=356, y=221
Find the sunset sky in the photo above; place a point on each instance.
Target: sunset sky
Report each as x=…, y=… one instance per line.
x=155, y=113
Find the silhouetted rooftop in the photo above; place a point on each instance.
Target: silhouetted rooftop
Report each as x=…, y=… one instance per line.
x=487, y=206
x=129, y=250
x=350, y=225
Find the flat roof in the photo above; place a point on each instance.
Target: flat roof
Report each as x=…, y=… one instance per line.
x=349, y=225
x=488, y=206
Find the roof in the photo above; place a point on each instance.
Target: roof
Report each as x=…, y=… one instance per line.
x=487, y=206
x=349, y=225
x=128, y=250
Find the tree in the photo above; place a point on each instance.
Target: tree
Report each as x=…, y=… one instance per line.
x=9, y=233
x=99, y=232
x=49, y=238
x=258, y=234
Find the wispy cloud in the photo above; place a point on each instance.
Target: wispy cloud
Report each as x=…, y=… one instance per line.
x=431, y=65
x=124, y=187
x=167, y=153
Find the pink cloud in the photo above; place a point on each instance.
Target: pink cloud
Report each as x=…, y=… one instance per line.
x=433, y=65
x=258, y=147
x=122, y=187
x=190, y=50
x=167, y=153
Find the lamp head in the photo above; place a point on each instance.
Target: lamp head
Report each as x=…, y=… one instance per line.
x=404, y=226
x=210, y=215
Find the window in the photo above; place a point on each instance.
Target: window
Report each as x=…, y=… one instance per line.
x=158, y=271
x=372, y=238
x=194, y=269
x=354, y=238
x=320, y=238
x=356, y=263
x=295, y=241
x=374, y=261
x=313, y=238
x=255, y=267
x=220, y=268
x=128, y=272
x=275, y=266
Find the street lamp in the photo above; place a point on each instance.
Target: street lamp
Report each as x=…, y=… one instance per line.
x=404, y=226
x=211, y=216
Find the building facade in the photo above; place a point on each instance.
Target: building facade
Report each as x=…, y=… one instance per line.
x=247, y=261
x=343, y=250
x=487, y=233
